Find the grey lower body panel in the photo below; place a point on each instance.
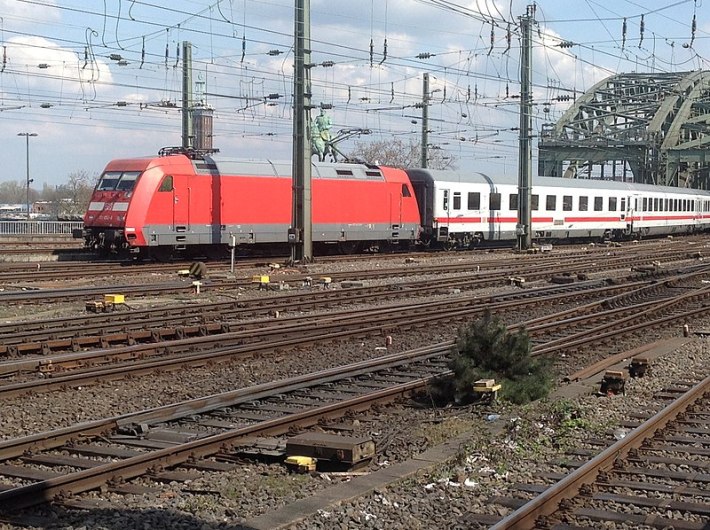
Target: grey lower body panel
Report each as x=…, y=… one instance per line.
x=161, y=235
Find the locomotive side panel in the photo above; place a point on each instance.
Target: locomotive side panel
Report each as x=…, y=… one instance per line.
x=376, y=205
x=255, y=209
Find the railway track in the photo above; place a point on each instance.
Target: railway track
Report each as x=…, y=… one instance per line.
x=570, y=329
x=655, y=476
x=497, y=272
x=609, y=318
x=190, y=434
x=179, y=321
x=11, y=273
x=193, y=434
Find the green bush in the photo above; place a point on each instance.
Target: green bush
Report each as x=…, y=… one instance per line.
x=486, y=350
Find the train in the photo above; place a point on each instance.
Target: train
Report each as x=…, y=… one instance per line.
x=181, y=203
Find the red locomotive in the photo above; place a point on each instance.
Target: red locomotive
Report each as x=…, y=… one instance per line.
x=203, y=204
x=159, y=205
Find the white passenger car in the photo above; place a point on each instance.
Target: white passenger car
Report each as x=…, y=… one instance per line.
x=462, y=209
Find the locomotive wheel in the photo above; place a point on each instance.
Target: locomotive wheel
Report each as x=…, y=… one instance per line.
x=349, y=247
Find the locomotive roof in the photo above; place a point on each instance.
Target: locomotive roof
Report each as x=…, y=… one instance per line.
x=283, y=168
x=472, y=177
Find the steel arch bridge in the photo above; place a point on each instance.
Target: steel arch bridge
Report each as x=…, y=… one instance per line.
x=648, y=128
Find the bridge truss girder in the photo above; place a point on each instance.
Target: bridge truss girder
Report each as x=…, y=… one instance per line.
x=648, y=128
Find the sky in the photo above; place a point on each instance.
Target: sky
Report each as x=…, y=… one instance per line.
x=101, y=79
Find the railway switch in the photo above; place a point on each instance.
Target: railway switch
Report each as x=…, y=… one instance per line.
x=114, y=299
x=198, y=270
x=517, y=281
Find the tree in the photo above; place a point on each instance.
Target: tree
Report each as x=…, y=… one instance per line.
x=73, y=197
x=485, y=349
x=12, y=192
x=397, y=153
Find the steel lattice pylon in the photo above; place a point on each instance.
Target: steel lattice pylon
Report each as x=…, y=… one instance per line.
x=649, y=128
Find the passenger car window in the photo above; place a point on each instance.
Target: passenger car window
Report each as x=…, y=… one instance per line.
x=513, y=201
x=474, y=200
x=567, y=203
x=494, y=203
x=551, y=203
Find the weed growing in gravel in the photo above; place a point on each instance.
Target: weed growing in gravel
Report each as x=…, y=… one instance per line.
x=199, y=504
x=569, y=419
x=436, y=433
x=276, y=485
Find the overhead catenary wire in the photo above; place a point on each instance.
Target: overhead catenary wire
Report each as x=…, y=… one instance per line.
x=393, y=81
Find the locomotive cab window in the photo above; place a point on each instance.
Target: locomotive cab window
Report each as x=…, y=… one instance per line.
x=108, y=181
x=127, y=181
x=494, y=202
x=167, y=184
x=405, y=191
x=474, y=200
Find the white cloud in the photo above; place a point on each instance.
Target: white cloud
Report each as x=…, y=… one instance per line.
x=26, y=14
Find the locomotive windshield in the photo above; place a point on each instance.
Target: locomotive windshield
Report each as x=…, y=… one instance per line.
x=118, y=181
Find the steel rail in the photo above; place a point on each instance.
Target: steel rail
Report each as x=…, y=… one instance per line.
x=143, y=329
x=321, y=333
x=548, y=502
x=571, y=263
x=84, y=480
x=89, y=479
x=631, y=323
x=364, y=322
x=20, y=332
